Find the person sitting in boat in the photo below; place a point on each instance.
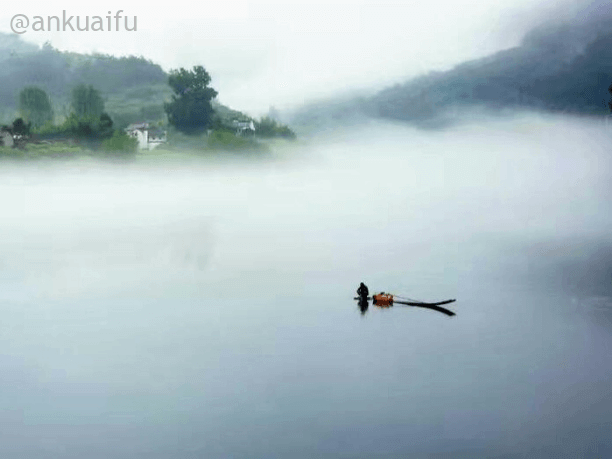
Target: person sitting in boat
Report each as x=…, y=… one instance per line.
x=363, y=291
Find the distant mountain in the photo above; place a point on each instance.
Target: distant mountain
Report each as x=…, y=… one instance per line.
x=558, y=67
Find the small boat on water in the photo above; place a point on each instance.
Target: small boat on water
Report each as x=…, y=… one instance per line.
x=386, y=300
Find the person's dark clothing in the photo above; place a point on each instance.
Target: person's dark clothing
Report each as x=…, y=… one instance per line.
x=363, y=291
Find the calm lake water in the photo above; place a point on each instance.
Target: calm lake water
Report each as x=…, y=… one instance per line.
x=204, y=309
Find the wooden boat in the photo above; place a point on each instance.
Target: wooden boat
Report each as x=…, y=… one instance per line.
x=386, y=300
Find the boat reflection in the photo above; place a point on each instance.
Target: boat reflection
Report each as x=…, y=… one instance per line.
x=432, y=307
x=363, y=304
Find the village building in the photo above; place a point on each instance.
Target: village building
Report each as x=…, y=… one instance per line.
x=148, y=137
x=244, y=128
x=6, y=137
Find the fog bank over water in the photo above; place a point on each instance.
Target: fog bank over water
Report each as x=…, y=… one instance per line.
x=205, y=309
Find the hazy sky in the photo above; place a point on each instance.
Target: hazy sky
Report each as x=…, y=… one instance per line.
x=269, y=52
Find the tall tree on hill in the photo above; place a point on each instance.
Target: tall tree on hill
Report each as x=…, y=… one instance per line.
x=87, y=102
x=190, y=110
x=35, y=106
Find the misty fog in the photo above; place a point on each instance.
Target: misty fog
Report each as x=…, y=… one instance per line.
x=205, y=309
x=264, y=53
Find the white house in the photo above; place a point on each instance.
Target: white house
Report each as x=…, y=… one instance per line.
x=6, y=138
x=147, y=136
x=244, y=127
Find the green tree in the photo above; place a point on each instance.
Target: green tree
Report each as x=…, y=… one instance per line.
x=35, y=106
x=20, y=127
x=87, y=102
x=88, y=127
x=269, y=127
x=190, y=110
x=120, y=142
x=105, y=126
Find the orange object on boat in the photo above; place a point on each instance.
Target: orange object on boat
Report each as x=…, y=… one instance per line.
x=382, y=299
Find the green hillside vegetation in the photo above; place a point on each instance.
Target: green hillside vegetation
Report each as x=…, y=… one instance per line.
x=58, y=72
x=138, y=103
x=268, y=127
x=39, y=86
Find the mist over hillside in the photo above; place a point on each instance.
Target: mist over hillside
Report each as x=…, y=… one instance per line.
x=57, y=72
x=134, y=88
x=560, y=67
x=121, y=78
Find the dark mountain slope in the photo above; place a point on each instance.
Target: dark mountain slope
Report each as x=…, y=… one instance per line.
x=558, y=67
x=568, y=68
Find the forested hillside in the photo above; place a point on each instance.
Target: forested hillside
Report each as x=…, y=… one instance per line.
x=567, y=68
x=121, y=80
x=561, y=67
x=56, y=72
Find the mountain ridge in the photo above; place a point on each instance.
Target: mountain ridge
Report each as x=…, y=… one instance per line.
x=559, y=67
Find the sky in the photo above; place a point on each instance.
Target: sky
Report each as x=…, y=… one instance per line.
x=263, y=53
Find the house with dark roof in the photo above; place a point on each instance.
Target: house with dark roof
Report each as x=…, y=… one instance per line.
x=148, y=136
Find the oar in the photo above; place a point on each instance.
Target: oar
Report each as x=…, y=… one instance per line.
x=435, y=307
